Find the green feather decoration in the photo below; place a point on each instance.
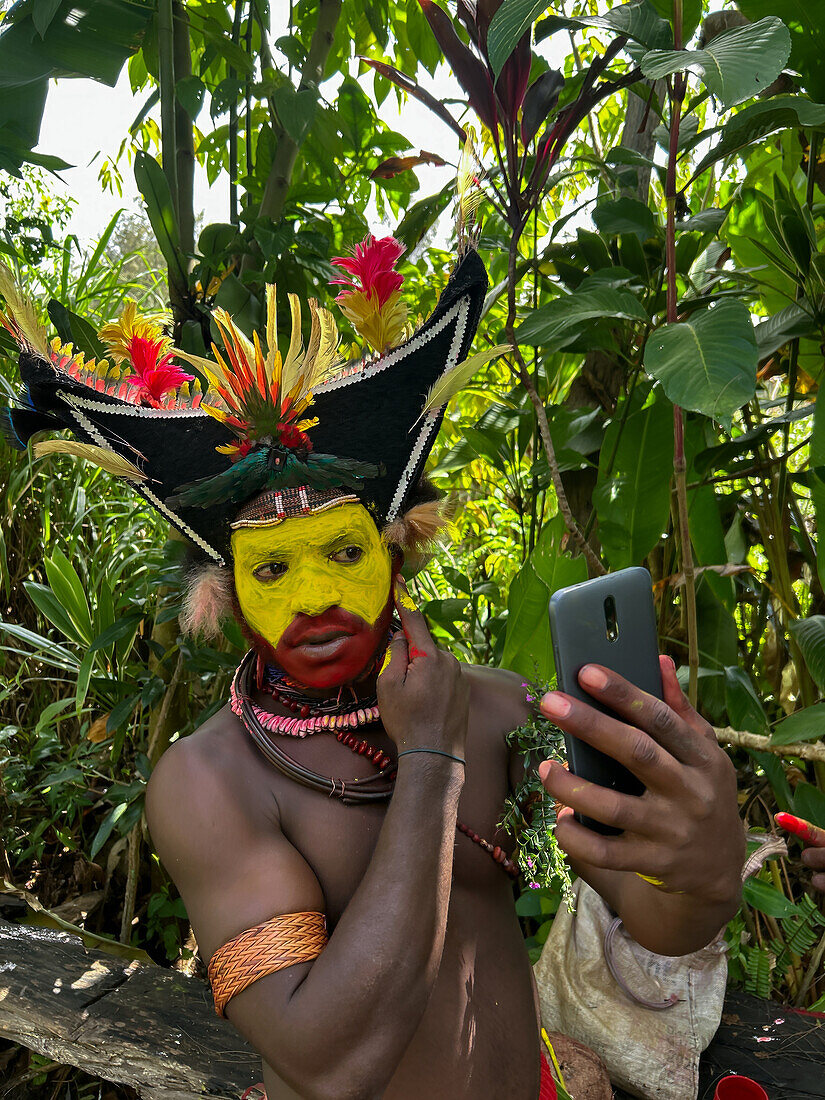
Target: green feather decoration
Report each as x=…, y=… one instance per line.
x=251, y=475
x=243, y=480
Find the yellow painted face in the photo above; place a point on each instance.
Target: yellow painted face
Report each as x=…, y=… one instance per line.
x=308, y=564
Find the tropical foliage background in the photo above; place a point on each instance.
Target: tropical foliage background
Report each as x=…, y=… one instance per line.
x=650, y=182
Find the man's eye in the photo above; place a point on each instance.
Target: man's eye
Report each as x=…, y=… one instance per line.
x=348, y=556
x=270, y=571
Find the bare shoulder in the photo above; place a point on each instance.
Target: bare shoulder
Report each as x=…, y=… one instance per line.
x=211, y=822
x=499, y=694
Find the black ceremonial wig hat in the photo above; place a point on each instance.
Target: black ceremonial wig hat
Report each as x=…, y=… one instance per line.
x=375, y=421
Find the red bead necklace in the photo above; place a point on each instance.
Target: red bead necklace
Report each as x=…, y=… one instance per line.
x=381, y=760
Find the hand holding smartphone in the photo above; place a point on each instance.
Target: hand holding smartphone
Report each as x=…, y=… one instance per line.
x=608, y=621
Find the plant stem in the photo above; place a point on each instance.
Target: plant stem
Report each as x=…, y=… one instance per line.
x=286, y=152
x=541, y=415
x=676, y=89
x=184, y=138
x=810, y=973
x=755, y=741
x=166, y=71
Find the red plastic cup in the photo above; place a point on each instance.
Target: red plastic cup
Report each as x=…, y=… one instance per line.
x=739, y=1088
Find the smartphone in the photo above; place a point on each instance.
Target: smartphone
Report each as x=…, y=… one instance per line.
x=608, y=621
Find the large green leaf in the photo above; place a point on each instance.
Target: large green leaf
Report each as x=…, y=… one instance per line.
x=68, y=588
x=804, y=725
x=527, y=645
x=810, y=637
x=759, y=119
x=735, y=66
x=75, y=330
x=92, y=40
x=767, y=899
x=633, y=500
x=804, y=19
x=625, y=215
x=421, y=216
x=557, y=323
x=637, y=21
x=154, y=187
x=507, y=27
x=706, y=363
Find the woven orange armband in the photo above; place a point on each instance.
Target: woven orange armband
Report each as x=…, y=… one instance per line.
x=264, y=949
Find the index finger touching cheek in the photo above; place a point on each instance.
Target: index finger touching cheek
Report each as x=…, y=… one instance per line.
x=415, y=627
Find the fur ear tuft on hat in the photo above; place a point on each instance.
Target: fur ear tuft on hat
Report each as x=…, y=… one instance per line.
x=419, y=527
x=207, y=601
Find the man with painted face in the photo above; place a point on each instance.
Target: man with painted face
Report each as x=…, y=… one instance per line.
x=333, y=831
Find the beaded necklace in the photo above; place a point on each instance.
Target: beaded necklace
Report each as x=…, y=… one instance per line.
x=256, y=722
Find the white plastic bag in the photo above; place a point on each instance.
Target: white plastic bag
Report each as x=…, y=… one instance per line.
x=650, y=1053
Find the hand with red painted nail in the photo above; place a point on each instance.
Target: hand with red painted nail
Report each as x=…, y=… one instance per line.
x=424, y=698
x=683, y=834
x=813, y=856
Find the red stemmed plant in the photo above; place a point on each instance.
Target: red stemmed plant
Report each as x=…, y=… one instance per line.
x=514, y=111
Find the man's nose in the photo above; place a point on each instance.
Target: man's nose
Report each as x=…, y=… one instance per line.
x=314, y=595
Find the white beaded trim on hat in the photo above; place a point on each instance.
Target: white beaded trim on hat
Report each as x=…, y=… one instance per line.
x=73, y=401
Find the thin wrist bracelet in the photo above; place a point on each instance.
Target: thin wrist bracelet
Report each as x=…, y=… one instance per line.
x=435, y=752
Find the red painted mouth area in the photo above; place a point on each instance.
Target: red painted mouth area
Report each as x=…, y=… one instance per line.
x=317, y=629
x=334, y=648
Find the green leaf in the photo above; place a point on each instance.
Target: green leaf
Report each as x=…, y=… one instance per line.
x=75, y=330
x=743, y=705
x=691, y=14
x=527, y=645
x=49, y=652
x=784, y=326
x=625, y=215
x=735, y=66
x=84, y=675
x=706, y=363
x=804, y=725
x=757, y=120
x=190, y=91
x=296, y=110
x=106, y=826
x=632, y=501
x=810, y=637
x=153, y=185
x=559, y=322
x=817, y=463
x=768, y=900
x=636, y=20
x=421, y=217
x=43, y=12
x=804, y=20
x=50, y=606
x=507, y=27
x=809, y=803
x=122, y=628
x=68, y=588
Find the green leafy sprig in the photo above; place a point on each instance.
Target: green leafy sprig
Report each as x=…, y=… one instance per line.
x=529, y=812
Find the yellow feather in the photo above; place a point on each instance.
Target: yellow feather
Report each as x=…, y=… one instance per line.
x=107, y=460
x=449, y=384
x=292, y=363
x=271, y=333
x=22, y=313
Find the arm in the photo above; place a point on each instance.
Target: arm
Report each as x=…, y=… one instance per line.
x=683, y=831
x=340, y=1025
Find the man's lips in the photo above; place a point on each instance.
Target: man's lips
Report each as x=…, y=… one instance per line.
x=319, y=637
x=316, y=630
